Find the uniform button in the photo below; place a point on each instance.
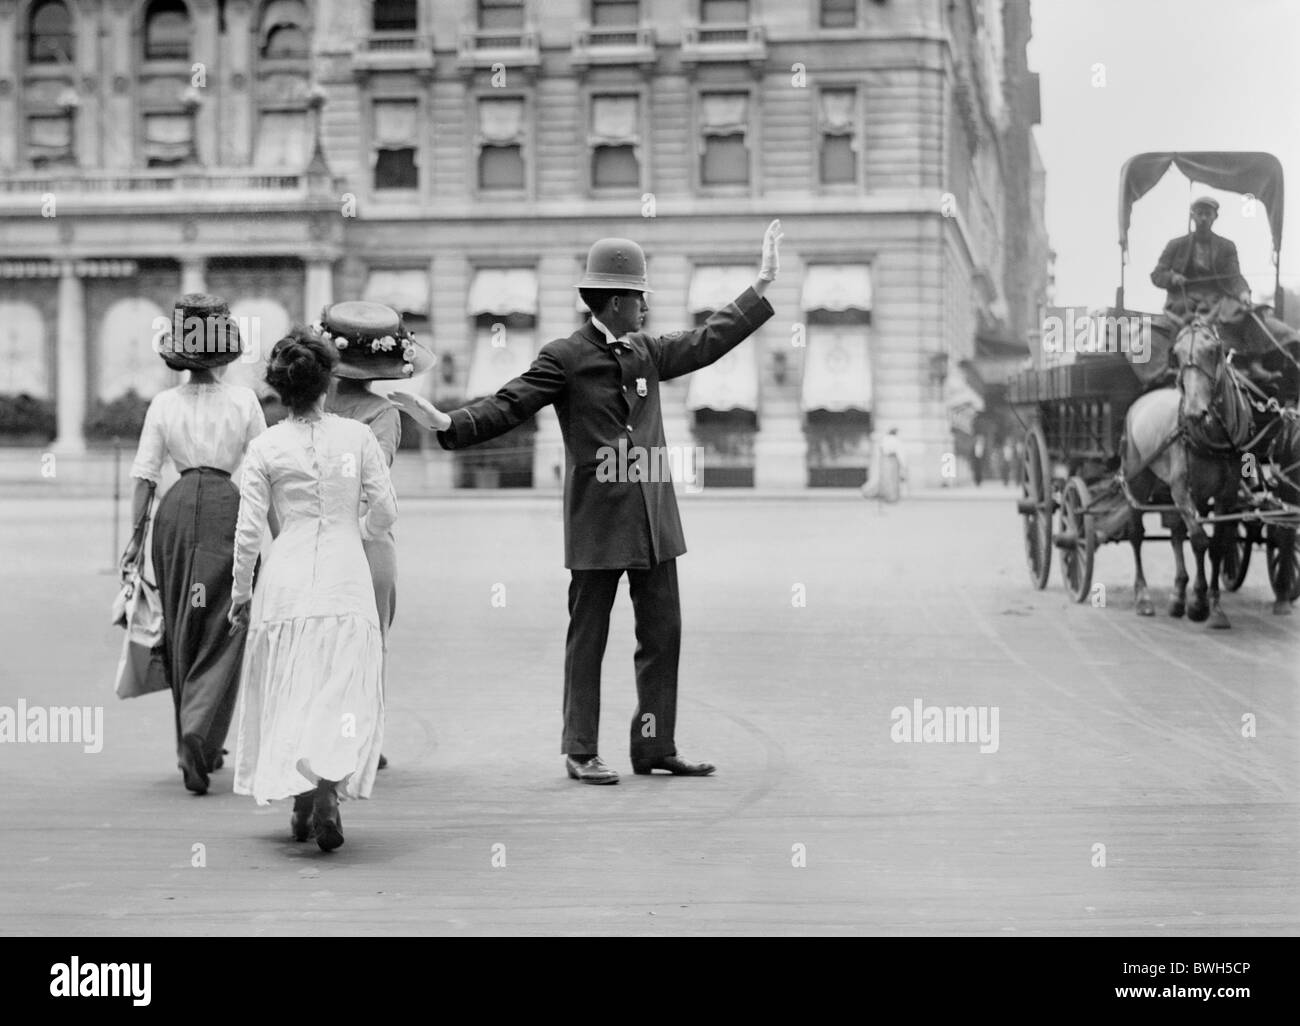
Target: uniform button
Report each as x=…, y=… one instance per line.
x=625, y=388
x=629, y=427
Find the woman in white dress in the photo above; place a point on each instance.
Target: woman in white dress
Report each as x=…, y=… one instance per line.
x=203, y=426
x=311, y=709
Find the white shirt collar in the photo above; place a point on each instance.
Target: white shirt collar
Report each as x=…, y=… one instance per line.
x=609, y=335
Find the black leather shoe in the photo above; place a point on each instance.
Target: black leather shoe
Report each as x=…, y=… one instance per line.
x=325, y=819
x=675, y=765
x=192, y=765
x=300, y=821
x=383, y=761
x=219, y=760
x=589, y=769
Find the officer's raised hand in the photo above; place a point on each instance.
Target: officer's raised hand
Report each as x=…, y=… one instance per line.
x=420, y=410
x=771, y=261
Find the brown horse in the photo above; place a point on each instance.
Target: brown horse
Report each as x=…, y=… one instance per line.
x=1184, y=445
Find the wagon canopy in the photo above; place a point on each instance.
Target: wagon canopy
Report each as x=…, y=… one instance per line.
x=1259, y=174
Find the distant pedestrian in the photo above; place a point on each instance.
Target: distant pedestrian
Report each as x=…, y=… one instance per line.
x=888, y=470
x=311, y=711
x=977, y=460
x=203, y=426
x=1008, y=458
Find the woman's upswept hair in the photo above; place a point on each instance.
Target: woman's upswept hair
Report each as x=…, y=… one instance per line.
x=300, y=366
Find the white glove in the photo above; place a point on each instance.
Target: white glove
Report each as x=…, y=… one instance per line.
x=771, y=258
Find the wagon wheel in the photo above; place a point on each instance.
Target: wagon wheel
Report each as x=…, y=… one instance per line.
x=1036, y=507
x=1237, y=558
x=1276, y=547
x=1076, y=539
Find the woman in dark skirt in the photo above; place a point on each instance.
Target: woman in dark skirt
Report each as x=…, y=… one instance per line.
x=203, y=426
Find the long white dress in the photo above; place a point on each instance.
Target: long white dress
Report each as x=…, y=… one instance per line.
x=311, y=705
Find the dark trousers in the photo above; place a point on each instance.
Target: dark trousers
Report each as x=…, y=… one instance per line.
x=658, y=613
x=193, y=557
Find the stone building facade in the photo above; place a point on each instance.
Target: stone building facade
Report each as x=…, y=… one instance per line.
x=457, y=159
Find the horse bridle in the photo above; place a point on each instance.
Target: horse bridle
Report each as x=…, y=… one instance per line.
x=1218, y=396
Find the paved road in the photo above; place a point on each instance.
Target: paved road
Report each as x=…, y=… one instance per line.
x=1112, y=731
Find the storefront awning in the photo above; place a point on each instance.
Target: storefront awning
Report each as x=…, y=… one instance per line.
x=729, y=384
x=407, y=292
x=837, y=369
x=712, y=288
x=837, y=287
x=499, y=356
x=503, y=291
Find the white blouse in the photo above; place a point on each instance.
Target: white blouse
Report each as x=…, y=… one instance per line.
x=203, y=425
x=314, y=473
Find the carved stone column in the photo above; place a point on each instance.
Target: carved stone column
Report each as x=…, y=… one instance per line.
x=237, y=95
x=204, y=51
x=90, y=126
x=125, y=53
x=71, y=355
x=194, y=271
x=9, y=122
x=318, y=290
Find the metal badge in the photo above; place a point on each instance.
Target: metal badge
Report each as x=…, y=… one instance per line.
x=641, y=389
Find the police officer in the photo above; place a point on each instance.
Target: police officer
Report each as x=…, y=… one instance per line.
x=604, y=383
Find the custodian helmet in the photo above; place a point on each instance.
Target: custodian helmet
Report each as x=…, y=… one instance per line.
x=617, y=264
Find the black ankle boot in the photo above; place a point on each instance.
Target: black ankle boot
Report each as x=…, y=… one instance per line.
x=325, y=816
x=300, y=821
x=193, y=765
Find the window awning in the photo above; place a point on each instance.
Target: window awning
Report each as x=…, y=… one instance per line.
x=282, y=140
x=406, y=291
x=729, y=384
x=837, y=287
x=712, y=288
x=499, y=356
x=837, y=369
x=503, y=291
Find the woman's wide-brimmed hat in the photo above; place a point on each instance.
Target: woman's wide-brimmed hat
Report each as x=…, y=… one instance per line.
x=373, y=343
x=202, y=334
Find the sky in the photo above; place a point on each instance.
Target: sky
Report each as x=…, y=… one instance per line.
x=1175, y=75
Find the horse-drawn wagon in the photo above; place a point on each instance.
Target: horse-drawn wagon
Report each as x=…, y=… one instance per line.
x=1084, y=483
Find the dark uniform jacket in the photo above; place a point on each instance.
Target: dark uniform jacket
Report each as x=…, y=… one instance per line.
x=1223, y=274
x=610, y=524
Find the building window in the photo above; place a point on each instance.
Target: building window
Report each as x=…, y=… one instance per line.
x=167, y=31
x=611, y=13
x=395, y=15
x=501, y=144
x=396, y=135
x=284, y=32
x=168, y=139
x=500, y=14
x=49, y=34
x=724, y=12
x=615, y=136
x=839, y=145
x=49, y=140
x=839, y=13
x=724, y=126
x=283, y=140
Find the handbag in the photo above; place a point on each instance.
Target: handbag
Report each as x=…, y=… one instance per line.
x=138, y=607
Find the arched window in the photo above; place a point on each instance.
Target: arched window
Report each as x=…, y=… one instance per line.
x=284, y=30
x=49, y=33
x=167, y=31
